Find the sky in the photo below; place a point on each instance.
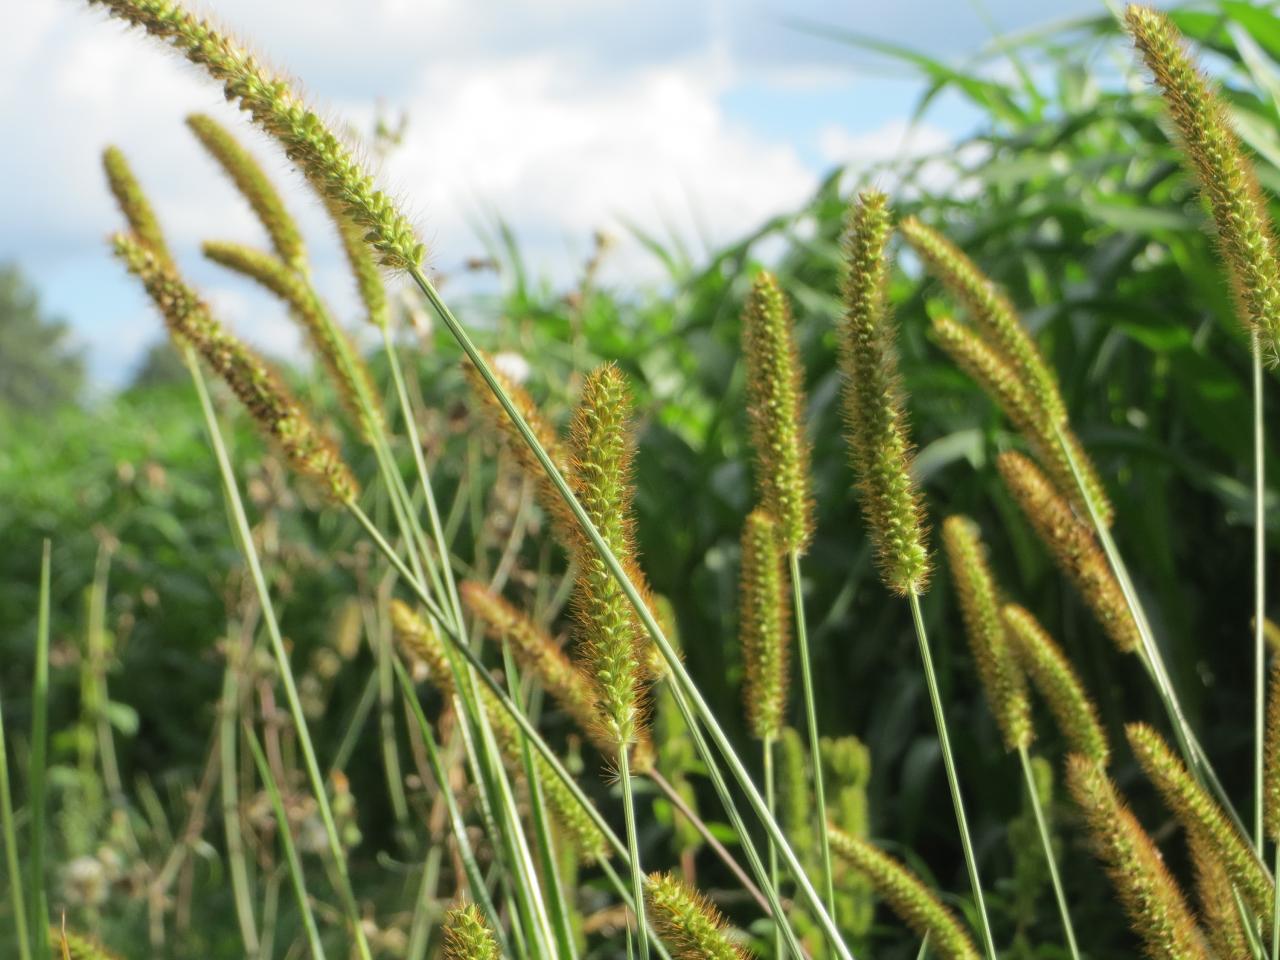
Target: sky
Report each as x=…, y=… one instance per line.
x=695, y=119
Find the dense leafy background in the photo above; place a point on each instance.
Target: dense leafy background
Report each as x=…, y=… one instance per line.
x=1069, y=195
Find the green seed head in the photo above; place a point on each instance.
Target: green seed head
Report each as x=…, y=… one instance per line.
x=254, y=185
x=1219, y=915
x=601, y=447
x=1052, y=674
x=75, y=947
x=763, y=626
x=1271, y=778
x=775, y=407
x=914, y=903
x=1151, y=897
x=250, y=379
x=875, y=422
x=274, y=106
x=1072, y=545
x=1226, y=177
x=134, y=205
x=467, y=936
x=689, y=925
x=795, y=797
x=1198, y=812
x=980, y=606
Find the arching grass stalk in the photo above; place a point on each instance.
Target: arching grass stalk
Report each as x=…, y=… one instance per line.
x=296, y=873
x=16, y=897
x=39, y=765
x=1047, y=843
x=680, y=678
x=240, y=523
x=953, y=780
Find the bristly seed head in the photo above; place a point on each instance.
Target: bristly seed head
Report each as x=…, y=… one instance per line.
x=1155, y=904
x=908, y=897
x=1271, y=754
x=688, y=923
x=1227, y=179
x=764, y=626
x=275, y=107
x=980, y=607
x=467, y=936
x=775, y=408
x=248, y=376
x=133, y=203
x=1073, y=546
x=1052, y=674
x=875, y=421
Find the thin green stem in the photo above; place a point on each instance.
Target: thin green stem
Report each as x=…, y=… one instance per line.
x=11, y=852
x=770, y=798
x=1047, y=843
x=633, y=850
x=240, y=523
x=286, y=841
x=39, y=765
x=811, y=722
x=1259, y=592
x=229, y=782
x=953, y=781
x=680, y=677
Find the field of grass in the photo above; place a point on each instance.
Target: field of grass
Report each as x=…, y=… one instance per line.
x=276, y=727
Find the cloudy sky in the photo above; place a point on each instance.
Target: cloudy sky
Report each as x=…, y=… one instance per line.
x=696, y=117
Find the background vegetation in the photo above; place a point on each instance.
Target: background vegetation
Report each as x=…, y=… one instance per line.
x=1068, y=194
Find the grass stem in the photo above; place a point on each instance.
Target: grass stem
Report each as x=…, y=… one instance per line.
x=953, y=781
x=633, y=850
x=39, y=767
x=1047, y=842
x=16, y=897
x=770, y=798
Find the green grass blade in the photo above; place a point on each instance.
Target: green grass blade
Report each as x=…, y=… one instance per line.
x=39, y=767
x=16, y=897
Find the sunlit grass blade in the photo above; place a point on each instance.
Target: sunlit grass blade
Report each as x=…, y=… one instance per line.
x=38, y=771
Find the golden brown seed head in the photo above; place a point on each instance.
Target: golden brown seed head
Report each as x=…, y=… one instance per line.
x=254, y=185
x=775, y=408
x=1198, y=812
x=135, y=206
x=913, y=902
x=1151, y=897
x=763, y=625
x=1002, y=680
x=875, y=422
x=1271, y=754
x=1226, y=176
x=363, y=265
x=689, y=925
x=467, y=936
x=250, y=379
x=1072, y=546
x=1220, y=917
x=275, y=107
x=1053, y=675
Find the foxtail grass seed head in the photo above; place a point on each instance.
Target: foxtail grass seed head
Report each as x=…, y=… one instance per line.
x=72, y=945
x=421, y=643
x=601, y=447
x=1198, y=812
x=775, y=408
x=763, y=625
x=1226, y=176
x=875, y=422
x=328, y=340
x=1155, y=904
x=254, y=185
x=1072, y=546
x=363, y=265
x=914, y=903
x=250, y=379
x=467, y=936
x=135, y=206
x=1220, y=917
x=275, y=107
x=572, y=689
x=689, y=925
x=992, y=314
x=1052, y=674
x=564, y=524
x=795, y=796
x=1001, y=677
x=1271, y=755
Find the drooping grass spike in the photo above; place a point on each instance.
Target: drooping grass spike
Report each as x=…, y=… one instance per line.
x=875, y=421
x=1072, y=546
x=1052, y=674
x=913, y=902
x=688, y=923
x=775, y=409
x=763, y=625
x=1155, y=904
x=250, y=379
